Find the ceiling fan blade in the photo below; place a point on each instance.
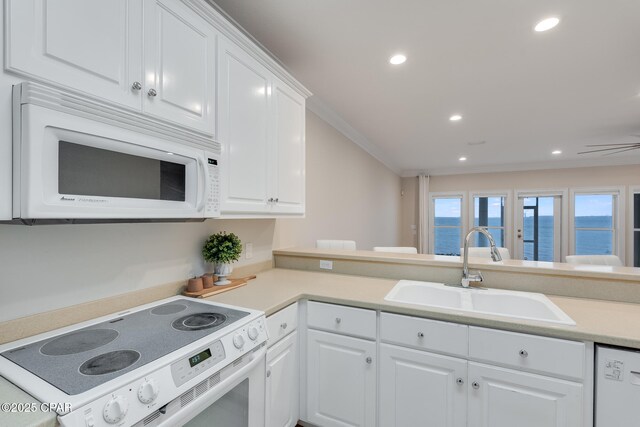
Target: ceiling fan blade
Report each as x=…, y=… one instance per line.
x=611, y=145
x=621, y=151
x=605, y=149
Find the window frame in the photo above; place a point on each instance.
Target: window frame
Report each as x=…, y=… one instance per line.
x=462, y=195
x=617, y=217
x=508, y=195
x=633, y=190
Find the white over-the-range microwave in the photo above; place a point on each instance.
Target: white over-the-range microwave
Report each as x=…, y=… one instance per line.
x=77, y=160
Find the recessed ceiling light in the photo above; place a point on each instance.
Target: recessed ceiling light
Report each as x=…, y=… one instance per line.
x=455, y=117
x=546, y=24
x=462, y=159
x=556, y=152
x=397, y=59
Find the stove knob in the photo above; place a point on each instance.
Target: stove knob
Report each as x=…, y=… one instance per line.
x=238, y=341
x=148, y=391
x=115, y=409
x=253, y=333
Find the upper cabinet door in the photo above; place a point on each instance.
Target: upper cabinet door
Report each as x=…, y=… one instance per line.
x=289, y=168
x=93, y=46
x=243, y=103
x=180, y=50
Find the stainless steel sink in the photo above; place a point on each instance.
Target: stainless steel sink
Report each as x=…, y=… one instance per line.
x=520, y=305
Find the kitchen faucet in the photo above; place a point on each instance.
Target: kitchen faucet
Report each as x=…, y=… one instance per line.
x=495, y=255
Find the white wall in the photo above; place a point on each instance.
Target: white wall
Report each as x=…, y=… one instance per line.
x=349, y=195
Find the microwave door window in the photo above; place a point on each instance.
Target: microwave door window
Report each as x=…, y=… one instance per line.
x=91, y=171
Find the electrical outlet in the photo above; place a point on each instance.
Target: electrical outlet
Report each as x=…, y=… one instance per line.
x=248, y=250
x=326, y=265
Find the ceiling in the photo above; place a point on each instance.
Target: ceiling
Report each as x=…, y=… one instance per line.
x=524, y=93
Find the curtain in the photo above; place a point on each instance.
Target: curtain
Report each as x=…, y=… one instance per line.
x=423, y=214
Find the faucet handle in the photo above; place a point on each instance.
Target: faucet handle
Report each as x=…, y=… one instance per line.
x=479, y=277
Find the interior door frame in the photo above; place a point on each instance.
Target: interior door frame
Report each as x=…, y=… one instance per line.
x=560, y=210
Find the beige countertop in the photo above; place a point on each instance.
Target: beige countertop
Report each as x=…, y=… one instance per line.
x=510, y=265
x=599, y=321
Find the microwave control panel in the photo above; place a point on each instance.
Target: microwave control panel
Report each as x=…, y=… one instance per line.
x=212, y=198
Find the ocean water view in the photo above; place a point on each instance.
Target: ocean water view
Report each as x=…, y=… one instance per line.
x=588, y=242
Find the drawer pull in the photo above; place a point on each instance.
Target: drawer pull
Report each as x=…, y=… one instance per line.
x=338, y=320
x=420, y=335
x=475, y=385
x=459, y=381
x=523, y=353
x=369, y=360
x=283, y=326
x=268, y=373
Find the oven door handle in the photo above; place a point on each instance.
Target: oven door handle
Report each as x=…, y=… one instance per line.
x=202, y=191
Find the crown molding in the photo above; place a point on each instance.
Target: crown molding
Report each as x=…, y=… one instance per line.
x=517, y=167
x=326, y=113
x=231, y=29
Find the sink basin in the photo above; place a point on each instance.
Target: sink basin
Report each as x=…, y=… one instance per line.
x=496, y=302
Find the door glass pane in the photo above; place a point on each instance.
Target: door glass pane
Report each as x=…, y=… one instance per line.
x=90, y=171
x=636, y=248
x=538, y=228
x=594, y=242
x=528, y=251
x=447, y=241
x=448, y=212
x=636, y=211
x=231, y=410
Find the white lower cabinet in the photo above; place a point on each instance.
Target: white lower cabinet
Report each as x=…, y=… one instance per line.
x=501, y=397
x=282, y=389
x=419, y=388
x=341, y=380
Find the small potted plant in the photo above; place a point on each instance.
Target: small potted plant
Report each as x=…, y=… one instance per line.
x=221, y=249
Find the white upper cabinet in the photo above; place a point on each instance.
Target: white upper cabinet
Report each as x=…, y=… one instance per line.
x=243, y=104
x=289, y=138
x=179, y=63
x=98, y=47
x=93, y=46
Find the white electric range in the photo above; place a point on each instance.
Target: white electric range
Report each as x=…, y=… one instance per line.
x=173, y=362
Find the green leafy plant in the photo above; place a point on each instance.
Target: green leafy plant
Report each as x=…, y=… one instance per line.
x=222, y=248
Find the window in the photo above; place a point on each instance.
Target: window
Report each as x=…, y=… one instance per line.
x=489, y=213
x=595, y=224
x=636, y=229
x=447, y=225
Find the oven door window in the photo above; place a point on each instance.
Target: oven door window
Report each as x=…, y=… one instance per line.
x=231, y=410
x=89, y=171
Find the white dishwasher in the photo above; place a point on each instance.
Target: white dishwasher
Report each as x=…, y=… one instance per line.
x=617, y=387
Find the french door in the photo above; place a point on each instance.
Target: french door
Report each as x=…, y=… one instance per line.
x=539, y=227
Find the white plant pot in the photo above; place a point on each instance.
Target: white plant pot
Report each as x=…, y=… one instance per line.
x=222, y=271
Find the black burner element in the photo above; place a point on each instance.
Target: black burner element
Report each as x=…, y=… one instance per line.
x=198, y=321
x=168, y=309
x=109, y=362
x=77, y=342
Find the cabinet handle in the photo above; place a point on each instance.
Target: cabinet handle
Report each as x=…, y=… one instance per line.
x=523, y=353
x=268, y=373
x=475, y=385
x=420, y=335
x=283, y=326
x=459, y=381
x=136, y=86
x=276, y=200
x=270, y=200
x=152, y=92
x=338, y=320
x=369, y=360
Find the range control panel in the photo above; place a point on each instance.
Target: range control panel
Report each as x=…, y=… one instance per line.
x=212, y=192
x=188, y=368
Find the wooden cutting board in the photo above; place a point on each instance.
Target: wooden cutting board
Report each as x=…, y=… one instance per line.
x=207, y=292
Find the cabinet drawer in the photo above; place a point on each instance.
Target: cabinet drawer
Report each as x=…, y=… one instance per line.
x=341, y=319
x=281, y=323
x=432, y=335
x=528, y=352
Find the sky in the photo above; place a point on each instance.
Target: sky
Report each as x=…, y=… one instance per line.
x=585, y=205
